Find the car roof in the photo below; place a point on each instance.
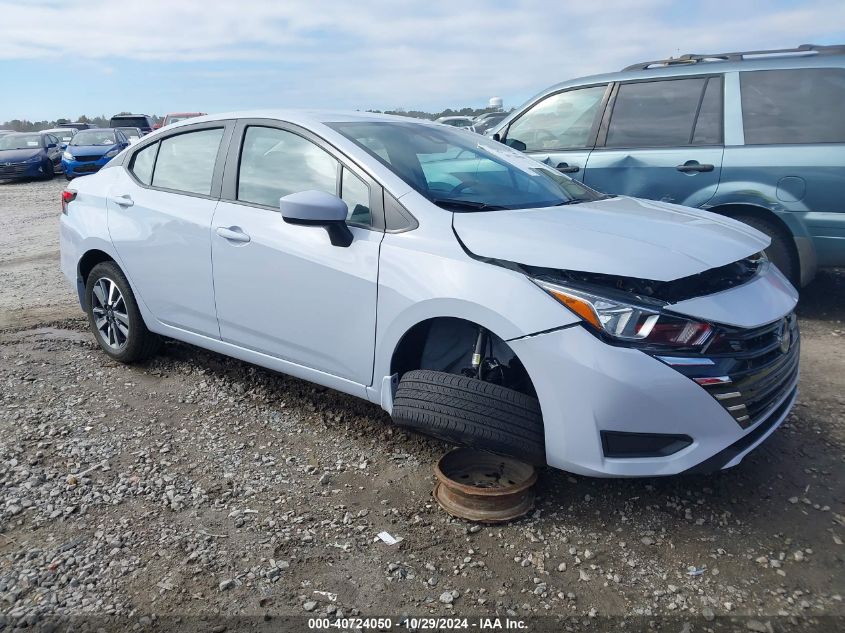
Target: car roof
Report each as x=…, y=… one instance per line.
x=706, y=66
x=130, y=116
x=302, y=117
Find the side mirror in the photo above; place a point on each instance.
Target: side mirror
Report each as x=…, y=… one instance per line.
x=51, y=145
x=318, y=208
x=517, y=145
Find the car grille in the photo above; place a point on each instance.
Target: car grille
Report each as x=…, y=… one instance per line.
x=748, y=371
x=766, y=368
x=10, y=171
x=83, y=169
x=85, y=159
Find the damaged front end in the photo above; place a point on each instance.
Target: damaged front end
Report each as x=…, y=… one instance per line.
x=750, y=371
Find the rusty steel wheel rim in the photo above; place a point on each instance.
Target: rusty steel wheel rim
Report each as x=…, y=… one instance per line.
x=483, y=487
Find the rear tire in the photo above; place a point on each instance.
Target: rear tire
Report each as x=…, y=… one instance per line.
x=471, y=412
x=114, y=317
x=781, y=251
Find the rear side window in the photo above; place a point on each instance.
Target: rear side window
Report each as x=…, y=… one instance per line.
x=561, y=121
x=186, y=162
x=275, y=163
x=793, y=106
x=142, y=163
x=664, y=113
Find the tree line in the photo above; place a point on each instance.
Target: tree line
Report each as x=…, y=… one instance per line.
x=24, y=125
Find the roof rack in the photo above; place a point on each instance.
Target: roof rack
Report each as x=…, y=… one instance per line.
x=693, y=58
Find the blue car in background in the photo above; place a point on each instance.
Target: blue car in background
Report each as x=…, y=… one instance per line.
x=90, y=150
x=29, y=155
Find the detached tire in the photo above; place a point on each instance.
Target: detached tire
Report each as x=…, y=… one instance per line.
x=781, y=251
x=471, y=412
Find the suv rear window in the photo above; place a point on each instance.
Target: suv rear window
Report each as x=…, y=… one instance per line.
x=130, y=121
x=793, y=106
x=668, y=113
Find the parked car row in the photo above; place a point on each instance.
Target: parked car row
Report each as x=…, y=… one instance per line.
x=75, y=149
x=481, y=123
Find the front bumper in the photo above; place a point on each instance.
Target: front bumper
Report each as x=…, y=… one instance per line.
x=75, y=168
x=21, y=170
x=586, y=386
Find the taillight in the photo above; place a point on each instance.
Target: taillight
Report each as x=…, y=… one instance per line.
x=68, y=196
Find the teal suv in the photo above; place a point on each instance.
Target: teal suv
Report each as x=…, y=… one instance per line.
x=758, y=136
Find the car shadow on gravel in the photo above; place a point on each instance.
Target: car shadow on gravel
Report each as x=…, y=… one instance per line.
x=824, y=298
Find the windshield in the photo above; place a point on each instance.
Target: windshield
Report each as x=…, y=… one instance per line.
x=20, y=141
x=462, y=171
x=63, y=135
x=94, y=137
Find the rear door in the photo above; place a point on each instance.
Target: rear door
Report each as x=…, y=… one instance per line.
x=560, y=129
x=662, y=140
x=159, y=213
x=283, y=289
x=794, y=129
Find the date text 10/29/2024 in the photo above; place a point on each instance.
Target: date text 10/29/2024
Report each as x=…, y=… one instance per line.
x=418, y=624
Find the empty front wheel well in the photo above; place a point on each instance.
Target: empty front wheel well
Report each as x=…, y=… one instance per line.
x=447, y=344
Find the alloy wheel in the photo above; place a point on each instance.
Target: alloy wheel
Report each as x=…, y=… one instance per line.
x=111, y=317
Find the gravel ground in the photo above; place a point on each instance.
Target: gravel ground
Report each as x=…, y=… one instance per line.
x=196, y=485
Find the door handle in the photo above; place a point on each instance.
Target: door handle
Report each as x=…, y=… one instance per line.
x=693, y=166
x=565, y=168
x=124, y=200
x=233, y=234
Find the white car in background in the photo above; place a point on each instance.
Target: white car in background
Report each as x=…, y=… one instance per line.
x=474, y=293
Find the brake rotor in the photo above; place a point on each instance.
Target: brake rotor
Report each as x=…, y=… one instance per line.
x=483, y=487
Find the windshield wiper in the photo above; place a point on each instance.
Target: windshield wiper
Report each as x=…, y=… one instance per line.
x=467, y=204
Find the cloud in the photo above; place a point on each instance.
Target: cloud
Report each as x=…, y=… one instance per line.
x=379, y=53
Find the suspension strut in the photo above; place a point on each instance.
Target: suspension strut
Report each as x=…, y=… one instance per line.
x=478, y=354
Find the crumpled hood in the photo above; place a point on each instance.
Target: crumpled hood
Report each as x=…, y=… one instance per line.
x=18, y=155
x=615, y=236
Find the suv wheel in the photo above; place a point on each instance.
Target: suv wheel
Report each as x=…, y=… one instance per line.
x=781, y=251
x=114, y=317
x=471, y=412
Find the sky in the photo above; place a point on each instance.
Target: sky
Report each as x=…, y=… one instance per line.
x=65, y=58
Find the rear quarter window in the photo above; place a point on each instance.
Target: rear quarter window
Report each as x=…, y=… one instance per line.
x=793, y=106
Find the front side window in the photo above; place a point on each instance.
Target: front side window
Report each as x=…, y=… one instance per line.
x=276, y=163
x=186, y=161
x=657, y=113
x=793, y=106
x=561, y=121
x=142, y=163
x=460, y=171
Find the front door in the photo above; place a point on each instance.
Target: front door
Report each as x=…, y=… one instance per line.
x=283, y=289
x=559, y=130
x=663, y=141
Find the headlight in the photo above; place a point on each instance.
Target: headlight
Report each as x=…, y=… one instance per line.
x=627, y=322
x=67, y=156
x=112, y=153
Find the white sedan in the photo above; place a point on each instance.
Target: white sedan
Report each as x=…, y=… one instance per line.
x=477, y=295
